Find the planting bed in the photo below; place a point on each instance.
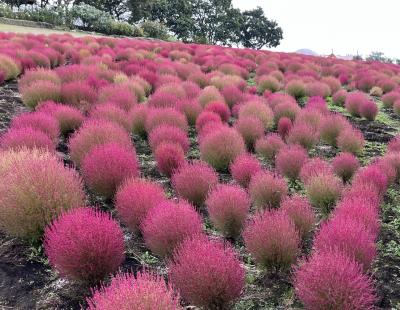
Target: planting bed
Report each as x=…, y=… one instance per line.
x=151, y=175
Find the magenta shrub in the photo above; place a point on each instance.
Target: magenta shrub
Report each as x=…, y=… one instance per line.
x=106, y=166
x=369, y=110
x=93, y=133
x=112, y=113
x=272, y=240
x=193, y=181
x=165, y=116
x=348, y=236
x=137, y=117
x=134, y=199
x=205, y=118
x=267, y=190
x=38, y=121
x=351, y=140
x=345, y=165
x=389, y=98
x=304, y=135
x=78, y=94
x=207, y=273
x=232, y=95
x=354, y=101
x=219, y=108
x=243, y=168
x=258, y=109
x=339, y=97
x=314, y=167
x=170, y=134
x=290, y=159
x=251, y=129
x=331, y=127
x=26, y=137
x=143, y=291
x=317, y=89
x=267, y=82
x=284, y=126
x=210, y=94
x=296, y=89
x=331, y=280
x=228, y=207
x=269, y=146
x=286, y=108
x=191, y=109
x=85, y=245
x=168, y=224
x=169, y=157
x=374, y=176
x=300, y=212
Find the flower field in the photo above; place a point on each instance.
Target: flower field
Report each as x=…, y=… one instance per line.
x=138, y=174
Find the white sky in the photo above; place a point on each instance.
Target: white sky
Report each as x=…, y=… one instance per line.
x=342, y=25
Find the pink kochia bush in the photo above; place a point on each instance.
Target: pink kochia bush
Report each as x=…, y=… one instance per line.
x=193, y=181
x=207, y=273
x=34, y=190
x=290, y=159
x=272, y=239
x=106, y=166
x=40, y=91
x=169, y=157
x=168, y=224
x=170, y=134
x=243, y=168
x=351, y=140
x=94, y=133
x=374, y=177
x=284, y=126
x=314, y=167
x=348, y=236
x=134, y=199
x=369, y=110
x=228, y=207
x=251, y=129
x=300, y=212
x=221, y=147
x=269, y=146
x=26, y=137
x=78, y=94
x=332, y=280
x=40, y=121
x=165, y=116
x=143, y=291
x=267, y=190
x=354, y=101
x=345, y=165
x=112, y=113
x=219, y=108
x=85, y=244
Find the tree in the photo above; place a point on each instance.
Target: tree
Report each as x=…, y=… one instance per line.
x=378, y=56
x=140, y=9
x=116, y=8
x=258, y=31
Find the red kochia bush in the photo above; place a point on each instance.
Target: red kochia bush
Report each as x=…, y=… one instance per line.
x=134, y=199
x=207, y=273
x=220, y=147
x=251, y=129
x=220, y=108
x=85, y=244
x=228, y=206
x=354, y=101
x=350, y=140
x=284, y=127
x=269, y=146
x=369, y=110
x=374, y=176
x=193, y=181
x=339, y=97
x=244, y=167
x=267, y=190
x=205, y=118
x=258, y=109
x=112, y=113
x=78, y=94
x=169, y=157
x=143, y=291
x=94, y=133
x=39, y=121
x=303, y=134
x=170, y=134
x=348, y=236
x=272, y=239
x=190, y=108
x=26, y=137
x=332, y=280
x=345, y=165
x=331, y=127
x=290, y=159
x=314, y=167
x=168, y=224
x=137, y=117
x=165, y=116
x=40, y=91
x=106, y=166
x=300, y=212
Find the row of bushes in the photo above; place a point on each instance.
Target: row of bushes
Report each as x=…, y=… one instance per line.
x=86, y=17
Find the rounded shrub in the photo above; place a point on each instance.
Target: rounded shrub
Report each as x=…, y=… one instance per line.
x=207, y=117
x=106, y=166
x=351, y=140
x=221, y=147
x=93, y=133
x=78, y=94
x=296, y=89
x=232, y=95
x=317, y=89
x=10, y=67
x=323, y=191
x=85, y=245
x=169, y=157
x=272, y=240
x=38, y=74
x=210, y=94
x=220, y=108
x=374, y=176
x=34, y=191
x=168, y=224
x=332, y=280
x=345, y=165
x=193, y=181
x=228, y=207
x=207, y=273
x=304, y=135
x=268, y=82
x=354, y=101
x=339, y=97
x=269, y=146
x=369, y=110
x=251, y=129
x=165, y=116
x=112, y=113
x=286, y=108
x=290, y=159
x=135, y=198
x=258, y=109
x=40, y=91
x=127, y=291
x=314, y=167
x=331, y=127
x=26, y=137
x=170, y=134
x=389, y=98
x=191, y=109
x=284, y=127
x=267, y=190
x=243, y=168
x=137, y=117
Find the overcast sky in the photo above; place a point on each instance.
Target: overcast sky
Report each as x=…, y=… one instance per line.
x=346, y=26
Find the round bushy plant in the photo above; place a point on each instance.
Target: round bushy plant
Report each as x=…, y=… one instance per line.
x=345, y=165
x=269, y=146
x=244, y=167
x=26, y=137
x=290, y=159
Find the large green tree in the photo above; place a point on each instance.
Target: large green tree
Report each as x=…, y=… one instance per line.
x=116, y=8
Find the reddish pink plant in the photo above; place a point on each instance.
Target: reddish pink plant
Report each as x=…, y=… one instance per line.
x=168, y=224
x=354, y=101
x=251, y=129
x=228, y=207
x=286, y=108
x=244, y=167
x=369, y=110
x=26, y=137
x=205, y=118
x=40, y=91
x=269, y=146
x=351, y=140
x=220, y=108
x=190, y=108
x=78, y=94
x=207, y=273
x=345, y=165
x=317, y=103
x=137, y=118
x=304, y=135
x=257, y=108
x=169, y=157
x=284, y=127
x=167, y=133
x=394, y=144
x=331, y=127
x=194, y=181
x=314, y=167
x=112, y=113
x=374, y=176
x=127, y=291
x=210, y=94
x=296, y=89
x=389, y=98
x=332, y=280
x=38, y=121
x=232, y=95
x=317, y=89
x=348, y=236
x=85, y=244
x=290, y=159
x=134, y=199
x=106, y=166
x=165, y=116
x=339, y=97
x=272, y=239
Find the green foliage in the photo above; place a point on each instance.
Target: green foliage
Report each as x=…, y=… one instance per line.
x=153, y=29
x=378, y=56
